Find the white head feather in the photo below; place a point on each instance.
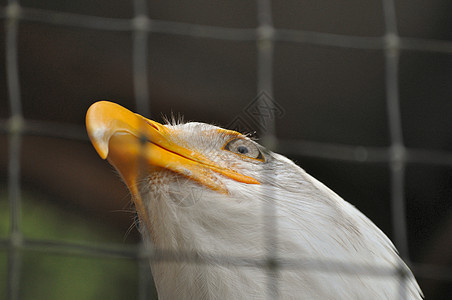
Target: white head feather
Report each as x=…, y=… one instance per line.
x=314, y=227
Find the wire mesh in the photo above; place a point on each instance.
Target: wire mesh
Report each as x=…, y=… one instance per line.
x=265, y=35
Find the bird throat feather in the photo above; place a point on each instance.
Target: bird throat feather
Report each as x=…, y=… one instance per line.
x=203, y=194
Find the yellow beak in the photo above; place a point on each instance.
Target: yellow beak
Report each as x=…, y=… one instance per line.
x=134, y=144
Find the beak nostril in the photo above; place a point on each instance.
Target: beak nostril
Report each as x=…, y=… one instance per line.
x=143, y=139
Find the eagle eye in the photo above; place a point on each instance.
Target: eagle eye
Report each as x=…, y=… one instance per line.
x=244, y=147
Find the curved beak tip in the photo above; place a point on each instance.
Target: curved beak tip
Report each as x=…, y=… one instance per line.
x=97, y=132
x=99, y=141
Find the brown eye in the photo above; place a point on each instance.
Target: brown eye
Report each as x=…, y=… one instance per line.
x=244, y=147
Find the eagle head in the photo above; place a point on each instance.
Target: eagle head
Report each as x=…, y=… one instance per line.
x=204, y=190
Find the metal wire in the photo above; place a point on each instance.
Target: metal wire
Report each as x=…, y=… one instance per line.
x=222, y=33
x=265, y=46
x=141, y=89
x=397, y=148
x=14, y=143
x=265, y=36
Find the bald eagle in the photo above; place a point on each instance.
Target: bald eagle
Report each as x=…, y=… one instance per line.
x=201, y=189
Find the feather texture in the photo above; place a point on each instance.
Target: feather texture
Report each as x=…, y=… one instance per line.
x=341, y=254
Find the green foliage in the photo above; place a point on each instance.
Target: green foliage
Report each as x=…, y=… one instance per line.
x=60, y=276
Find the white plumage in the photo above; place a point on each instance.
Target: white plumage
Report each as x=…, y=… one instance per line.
x=224, y=216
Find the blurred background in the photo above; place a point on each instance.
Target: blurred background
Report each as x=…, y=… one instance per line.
x=329, y=86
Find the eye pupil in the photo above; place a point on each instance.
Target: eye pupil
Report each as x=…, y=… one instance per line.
x=242, y=149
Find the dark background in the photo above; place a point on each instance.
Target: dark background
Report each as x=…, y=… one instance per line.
x=329, y=95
